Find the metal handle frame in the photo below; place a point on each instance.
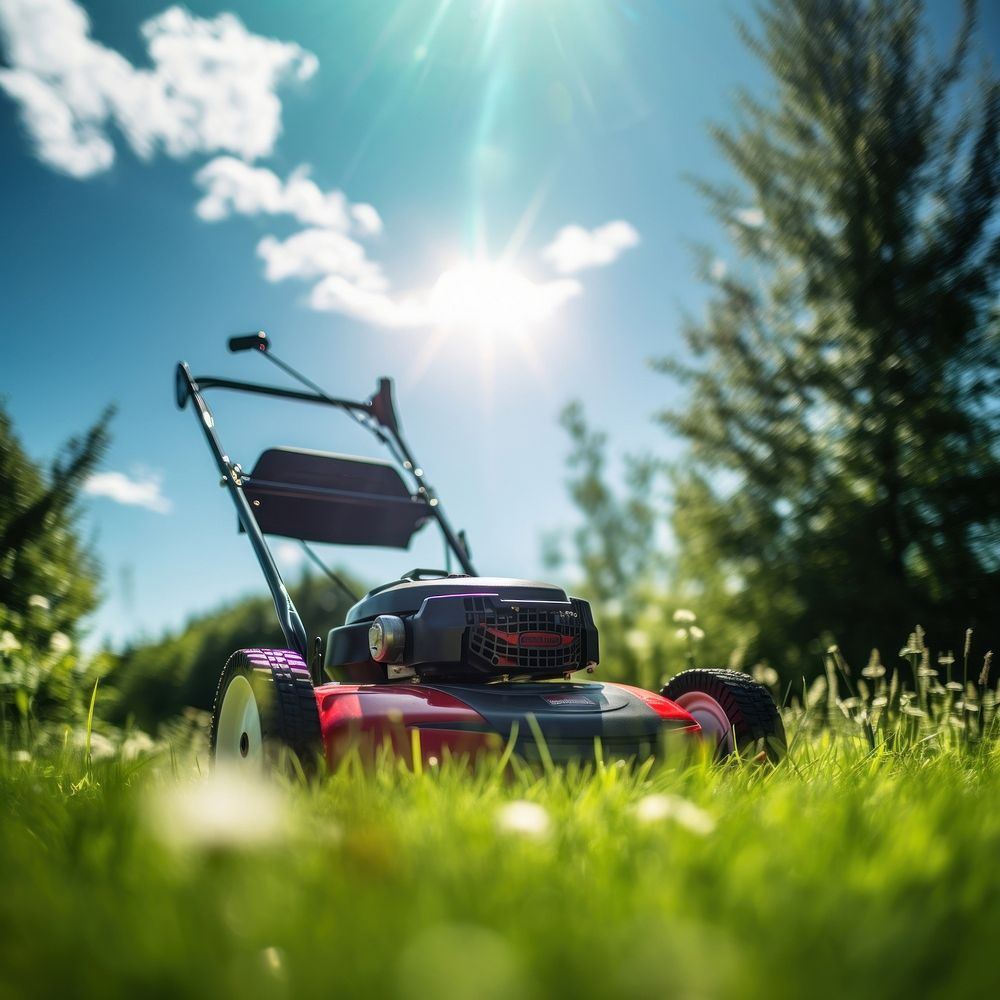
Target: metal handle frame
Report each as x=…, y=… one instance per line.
x=378, y=408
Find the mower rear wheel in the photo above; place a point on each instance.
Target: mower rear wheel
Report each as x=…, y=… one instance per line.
x=265, y=712
x=735, y=713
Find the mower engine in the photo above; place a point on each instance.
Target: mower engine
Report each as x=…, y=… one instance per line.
x=463, y=629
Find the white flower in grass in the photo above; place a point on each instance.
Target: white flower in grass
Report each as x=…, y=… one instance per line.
x=637, y=640
x=528, y=819
x=39, y=601
x=8, y=644
x=225, y=810
x=60, y=643
x=696, y=633
x=658, y=808
x=101, y=748
x=763, y=674
x=684, y=617
x=137, y=744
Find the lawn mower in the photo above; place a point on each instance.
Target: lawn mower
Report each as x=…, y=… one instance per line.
x=441, y=661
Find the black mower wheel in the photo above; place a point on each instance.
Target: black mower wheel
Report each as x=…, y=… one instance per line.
x=734, y=710
x=265, y=712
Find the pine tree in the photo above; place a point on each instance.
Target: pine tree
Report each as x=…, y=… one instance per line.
x=842, y=409
x=48, y=579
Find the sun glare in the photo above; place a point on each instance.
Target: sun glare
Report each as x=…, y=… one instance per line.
x=492, y=299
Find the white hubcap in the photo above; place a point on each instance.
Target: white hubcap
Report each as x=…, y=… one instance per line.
x=238, y=740
x=711, y=716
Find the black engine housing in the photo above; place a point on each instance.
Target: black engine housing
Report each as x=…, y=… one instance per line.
x=465, y=628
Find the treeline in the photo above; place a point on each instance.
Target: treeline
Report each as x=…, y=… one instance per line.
x=154, y=681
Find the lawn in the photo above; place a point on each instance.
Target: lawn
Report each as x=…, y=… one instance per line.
x=841, y=872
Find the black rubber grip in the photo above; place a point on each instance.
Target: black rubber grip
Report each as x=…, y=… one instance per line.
x=249, y=342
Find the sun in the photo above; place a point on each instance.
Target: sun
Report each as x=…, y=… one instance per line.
x=491, y=299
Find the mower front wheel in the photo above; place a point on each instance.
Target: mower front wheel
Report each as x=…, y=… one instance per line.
x=265, y=712
x=736, y=714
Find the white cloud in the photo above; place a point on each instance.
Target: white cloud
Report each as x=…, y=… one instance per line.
x=143, y=491
x=211, y=86
x=336, y=293
x=315, y=253
x=234, y=187
x=575, y=248
x=474, y=295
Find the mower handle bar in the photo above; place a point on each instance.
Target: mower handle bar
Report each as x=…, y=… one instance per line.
x=378, y=408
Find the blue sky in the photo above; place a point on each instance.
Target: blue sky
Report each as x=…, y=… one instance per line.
x=482, y=198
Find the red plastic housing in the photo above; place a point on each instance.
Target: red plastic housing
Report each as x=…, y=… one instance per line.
x=368, y=717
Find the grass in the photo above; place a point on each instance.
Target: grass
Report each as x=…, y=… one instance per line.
x=845, y=871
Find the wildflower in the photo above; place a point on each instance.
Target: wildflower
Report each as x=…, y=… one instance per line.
x=946, y=659
x=880, y=702
x=225, y=810
x=137, y=744
x=637, y=640
x=657, y=808
x=681, y=633
x=60, y=643
x=38, y=601
x=873, y=672
x=764, y=674
x=696, y=633
x=684, y=617
x=527, y=819
x=8, y=644
x=912, y=710
x=954, y=685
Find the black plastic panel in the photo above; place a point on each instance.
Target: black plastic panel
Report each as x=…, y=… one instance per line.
x=321, y=497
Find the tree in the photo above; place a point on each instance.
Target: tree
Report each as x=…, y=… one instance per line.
x=841, y=405
x=48, y=578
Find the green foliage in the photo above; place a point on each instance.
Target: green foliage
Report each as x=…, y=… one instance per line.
x=617, y=551
x=841, y=872
x=48, y=582
x=841, y=388
x=155, y=681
